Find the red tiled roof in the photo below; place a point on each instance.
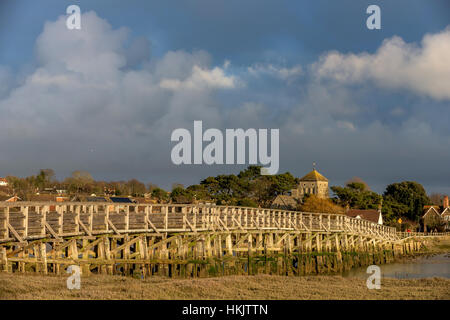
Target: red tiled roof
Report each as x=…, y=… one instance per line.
x=369, y=214
x=42, y=197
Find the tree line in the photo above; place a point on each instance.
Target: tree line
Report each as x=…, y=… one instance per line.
x=248, y=188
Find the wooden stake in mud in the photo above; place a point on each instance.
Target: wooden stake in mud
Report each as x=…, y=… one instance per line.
x=3, y=260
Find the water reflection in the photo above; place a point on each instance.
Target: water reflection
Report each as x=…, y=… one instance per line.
x=422, y=267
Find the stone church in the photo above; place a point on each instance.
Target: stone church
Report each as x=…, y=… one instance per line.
x=312, y=183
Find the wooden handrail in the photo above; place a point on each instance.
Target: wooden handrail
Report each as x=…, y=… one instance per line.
x=122, y=218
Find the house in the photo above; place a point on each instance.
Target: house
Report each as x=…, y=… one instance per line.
x=9, y=198
x=92, y=198
x=38, y=197
x=121, y=200
x=284, y=202
x=120, y=203
x=445, y=214
x=144, y=200
x=437, y=217
x=61, y=198
x=43, y=198
x=370, y=215
x=430, y=207
x=3, y=182
x=431, y=218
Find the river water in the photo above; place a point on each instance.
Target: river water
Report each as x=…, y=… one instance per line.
x=420, y=267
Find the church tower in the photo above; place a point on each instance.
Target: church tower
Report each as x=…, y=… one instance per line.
x=312, y=183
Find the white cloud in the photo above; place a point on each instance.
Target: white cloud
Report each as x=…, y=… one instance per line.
x=424, y=69
x=201, y=79
x=346, y=125
x=283, y=73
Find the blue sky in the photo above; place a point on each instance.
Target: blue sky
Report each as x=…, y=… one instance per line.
x=310, y=68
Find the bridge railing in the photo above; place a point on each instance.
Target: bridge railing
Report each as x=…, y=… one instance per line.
x=20, y=221
x=403, y=235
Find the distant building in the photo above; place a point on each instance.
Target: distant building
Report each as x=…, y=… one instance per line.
x=121, y=200
x=3, y=182
x=369, y=215
x=39, y=197
x=61, y=199
x=312, y=183
x=83, y=198
x=284, y=202
x=144, y=200
x=431, y=218
x=445, y=215
x=9, y=198
x=437, y=215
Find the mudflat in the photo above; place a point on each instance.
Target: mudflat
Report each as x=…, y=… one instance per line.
x=34, y=286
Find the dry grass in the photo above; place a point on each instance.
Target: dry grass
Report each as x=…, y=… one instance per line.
x=32, y=286
x=437, y=245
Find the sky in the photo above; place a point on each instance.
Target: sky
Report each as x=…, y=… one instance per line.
x=368, y=103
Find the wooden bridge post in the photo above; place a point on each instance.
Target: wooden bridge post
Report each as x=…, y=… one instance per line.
x=44, y=220
x=166, y=217
x=208, y=249
x=127, y=217
x=21, y=265
x=6, y=222
x=91, y=218
x=101, y=256
x=73, y=249
x=77, y=218
x=85, y=269
x=246, y=218
x=319, y=242
x=147, y=210
x=337, y=238
x=107, y=253
x=328, y=243
x=25, y=221
x=60, y=220
x=43, y=257
x=126, y=254
x=106, y=219
x=3, y=259
x=229, y=244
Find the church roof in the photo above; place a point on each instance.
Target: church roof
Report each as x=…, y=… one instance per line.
x=314, y=176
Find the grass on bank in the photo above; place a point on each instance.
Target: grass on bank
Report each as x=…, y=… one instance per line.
x=33, y=286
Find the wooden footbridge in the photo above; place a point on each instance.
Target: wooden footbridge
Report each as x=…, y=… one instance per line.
x=179, y=240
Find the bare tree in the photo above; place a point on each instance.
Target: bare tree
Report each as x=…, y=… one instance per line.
x=358, y=180
x=177, y=185
x=436, y=198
